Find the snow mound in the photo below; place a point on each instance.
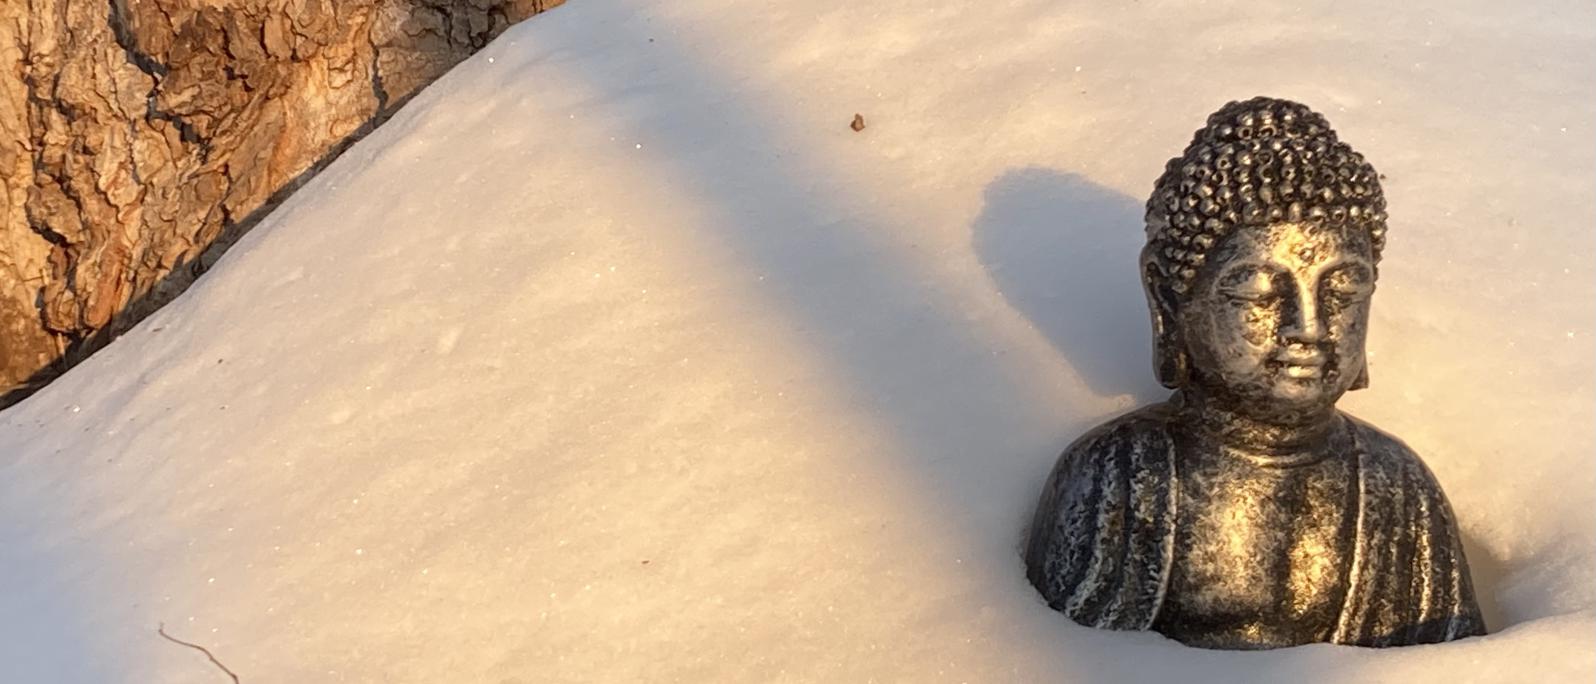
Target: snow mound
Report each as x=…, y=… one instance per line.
x=618, y=355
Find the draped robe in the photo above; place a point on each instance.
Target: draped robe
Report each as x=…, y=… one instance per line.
x=1102, y=543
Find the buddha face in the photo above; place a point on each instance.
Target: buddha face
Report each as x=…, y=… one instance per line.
x=1276, y=318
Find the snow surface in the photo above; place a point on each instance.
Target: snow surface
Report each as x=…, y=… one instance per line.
x=617, y=356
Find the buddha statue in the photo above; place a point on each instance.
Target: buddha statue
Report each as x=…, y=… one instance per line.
x=1246, y=512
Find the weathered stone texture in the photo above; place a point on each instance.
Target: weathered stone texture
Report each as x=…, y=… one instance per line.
x=136, y=134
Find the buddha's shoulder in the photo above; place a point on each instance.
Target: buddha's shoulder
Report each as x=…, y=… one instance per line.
x=1133, y=443
x=1146, y=427
x=1386, y=451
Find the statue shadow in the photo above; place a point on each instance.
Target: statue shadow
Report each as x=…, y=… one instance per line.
x=1486, y=571
x=1063, y=251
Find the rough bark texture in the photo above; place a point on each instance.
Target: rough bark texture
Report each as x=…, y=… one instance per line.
x=139, y=138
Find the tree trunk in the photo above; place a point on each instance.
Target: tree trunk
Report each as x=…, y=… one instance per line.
x=139, y=138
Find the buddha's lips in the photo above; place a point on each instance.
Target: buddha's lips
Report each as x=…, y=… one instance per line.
x=1304, y=372
x=1300, y=366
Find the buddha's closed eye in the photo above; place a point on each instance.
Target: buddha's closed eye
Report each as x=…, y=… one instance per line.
x=1351, y=281
x=1250, y=284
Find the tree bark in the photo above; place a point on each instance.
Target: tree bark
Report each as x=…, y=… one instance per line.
x=139, y=138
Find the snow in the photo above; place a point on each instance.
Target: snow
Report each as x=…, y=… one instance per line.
x=617, y=355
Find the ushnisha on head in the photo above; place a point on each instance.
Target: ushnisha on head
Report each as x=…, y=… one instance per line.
x=1262, y=241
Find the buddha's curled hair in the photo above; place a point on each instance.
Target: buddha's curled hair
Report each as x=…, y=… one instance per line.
x=1260, y=161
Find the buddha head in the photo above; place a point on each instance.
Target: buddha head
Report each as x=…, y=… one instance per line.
x=1262, y=242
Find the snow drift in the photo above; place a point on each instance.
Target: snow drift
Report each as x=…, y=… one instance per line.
x=618, y=355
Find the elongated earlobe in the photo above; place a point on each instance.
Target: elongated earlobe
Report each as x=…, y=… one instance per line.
x=1362, y=381
x=1173, y=367
x=1170, y=362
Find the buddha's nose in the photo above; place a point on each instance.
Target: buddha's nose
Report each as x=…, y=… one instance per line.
x=1301, y=324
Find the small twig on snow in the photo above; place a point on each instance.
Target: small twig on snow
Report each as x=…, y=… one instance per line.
x=162, y=631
